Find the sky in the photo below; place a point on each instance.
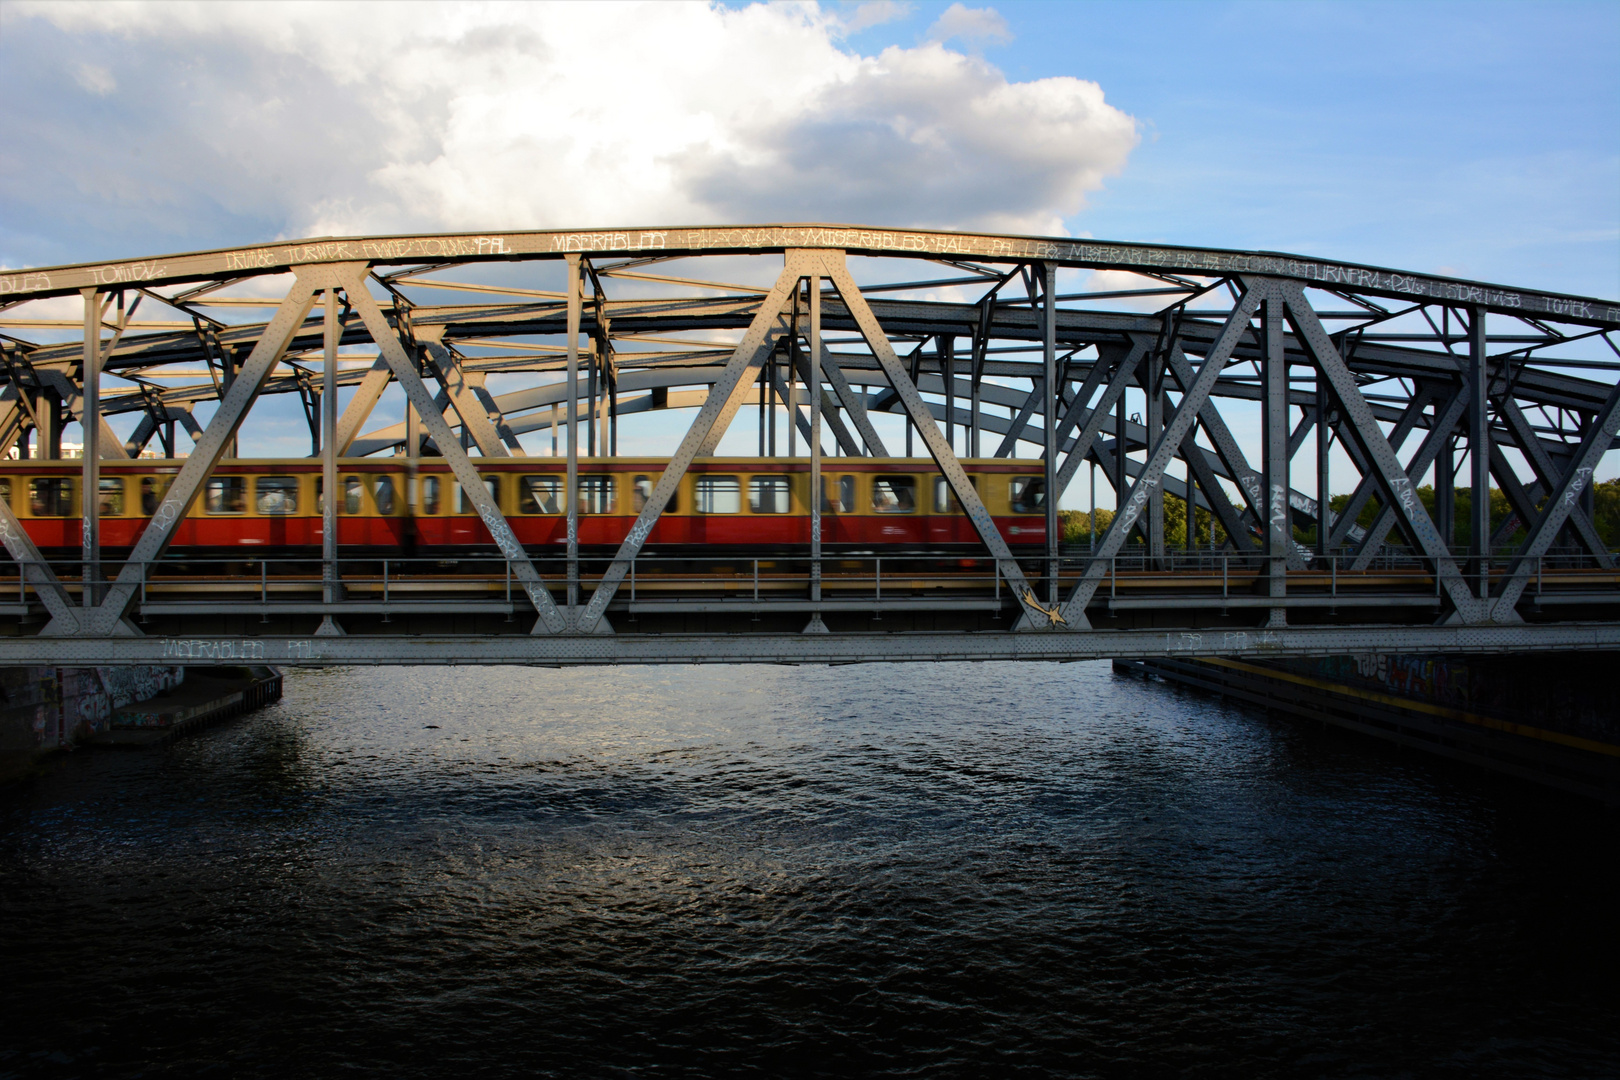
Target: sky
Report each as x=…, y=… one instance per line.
x=1479, y=140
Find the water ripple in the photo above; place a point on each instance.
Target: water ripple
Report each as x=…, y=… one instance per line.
x=1020, y=870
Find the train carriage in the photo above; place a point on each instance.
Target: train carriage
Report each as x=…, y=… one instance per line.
x=392, y=505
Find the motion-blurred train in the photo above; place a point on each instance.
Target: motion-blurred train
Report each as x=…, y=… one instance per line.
x=391, y=505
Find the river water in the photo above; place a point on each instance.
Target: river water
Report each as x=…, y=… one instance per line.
x=925, y=870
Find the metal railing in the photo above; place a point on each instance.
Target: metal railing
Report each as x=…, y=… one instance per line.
x=854, y=579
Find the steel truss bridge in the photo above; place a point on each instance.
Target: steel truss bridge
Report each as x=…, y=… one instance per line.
x=954, y=345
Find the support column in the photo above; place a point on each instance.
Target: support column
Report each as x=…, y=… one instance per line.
x=772, y=401
x=1274, y=425
x=572, y=487
x=793, y=388
x=1152, y=382
x=1479, y=455
x=90, y=483
x=1121, y=449
x=1324, y=466
x=1445, y=493
x=945, y=353
x=330, y=587
x=590, y=402
x=49, y=409
x=813, y=385
x=1049, y=428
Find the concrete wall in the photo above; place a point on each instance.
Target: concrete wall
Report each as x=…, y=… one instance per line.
x=44, y=709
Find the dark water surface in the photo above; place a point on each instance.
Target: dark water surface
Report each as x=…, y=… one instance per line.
x=948, y=870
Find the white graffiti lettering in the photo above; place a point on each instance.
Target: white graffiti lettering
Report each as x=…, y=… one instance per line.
x=117, y=275
x=198, y=649
x=30, y=281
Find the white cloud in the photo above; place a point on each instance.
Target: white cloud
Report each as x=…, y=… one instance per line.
x=97, y=80
x=972, y=25
x=874, y=13
x=336, y=119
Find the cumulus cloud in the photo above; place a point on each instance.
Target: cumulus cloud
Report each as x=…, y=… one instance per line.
x=97, y=80
x=874, y=13
x=338, y=119
x=972, y=25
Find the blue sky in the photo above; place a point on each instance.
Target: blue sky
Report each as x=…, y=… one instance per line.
x=1480, y=140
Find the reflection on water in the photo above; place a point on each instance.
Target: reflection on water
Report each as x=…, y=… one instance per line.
x=884, y=870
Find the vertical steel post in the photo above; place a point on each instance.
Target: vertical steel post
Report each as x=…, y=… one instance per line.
x=1093, y=507
x=590, y=401
x=1479, y=453
x=792, y=387
x=1192, y=512
x=1049, y=428
x=945, y=353
x=1121, y=448
x=975, y=408
x=1152, y=381
x=1445, y=492
x=329, y=447
x=1324, y=466
x=771, y=398
x=90, y=422
x=1274, y=425
x=764, y=373
x=574, y=301
x=814, y=386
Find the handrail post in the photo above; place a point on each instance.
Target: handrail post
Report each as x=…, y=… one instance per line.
x=632, y=579
x=878, y=577
x=1333, y=567
x=756, y=581
x=385, y=581
x=264, y=583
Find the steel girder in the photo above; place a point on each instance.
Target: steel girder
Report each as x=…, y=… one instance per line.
x=1522, y=381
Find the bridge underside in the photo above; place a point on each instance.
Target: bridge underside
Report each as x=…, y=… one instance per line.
x=1216, y=395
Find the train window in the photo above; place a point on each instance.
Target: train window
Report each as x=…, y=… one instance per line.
x=50, y=497
x=153, y=488
x=642, y=488
x=382, y=491
x=352, y=491
x=430, y=495
x=276, y=494
x=492, y=484
x=768, y=494
x=226, y=495
x=1027, y=494
x=840, y=497
x=945, y=501
x=894, y=494
x=540, y=495
x=718, y=495
x=596, y=494
x=5, y=490
x=110, y=497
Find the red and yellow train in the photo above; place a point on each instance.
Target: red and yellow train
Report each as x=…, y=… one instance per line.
x=392, y=504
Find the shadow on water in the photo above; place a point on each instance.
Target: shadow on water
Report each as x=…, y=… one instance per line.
x=883, y=870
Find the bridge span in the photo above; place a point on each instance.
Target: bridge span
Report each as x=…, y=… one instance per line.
x=840, y=444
